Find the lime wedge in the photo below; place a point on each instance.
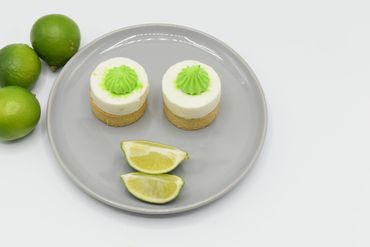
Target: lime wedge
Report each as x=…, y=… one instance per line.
x=151, y=157
x=159, y=188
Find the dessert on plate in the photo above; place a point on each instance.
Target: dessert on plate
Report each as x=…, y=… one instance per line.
x=118, y=91
x=191, y=94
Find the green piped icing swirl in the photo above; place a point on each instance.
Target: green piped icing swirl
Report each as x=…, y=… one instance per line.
x=120, y=80
x=193, y=80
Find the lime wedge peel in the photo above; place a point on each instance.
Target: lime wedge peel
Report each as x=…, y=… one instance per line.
x=151, y=157
x=157, y=189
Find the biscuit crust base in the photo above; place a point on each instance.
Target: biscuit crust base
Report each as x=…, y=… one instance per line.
x=117, y=120
x=191, y=124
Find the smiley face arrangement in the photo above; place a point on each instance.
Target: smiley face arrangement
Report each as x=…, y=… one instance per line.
x=191, y=92
x=119, y=89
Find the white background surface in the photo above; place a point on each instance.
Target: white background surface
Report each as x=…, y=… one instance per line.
x=311, y=184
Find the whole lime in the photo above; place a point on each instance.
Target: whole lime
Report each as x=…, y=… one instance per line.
x=19, y=66
x=19, y=112
x=55, y=38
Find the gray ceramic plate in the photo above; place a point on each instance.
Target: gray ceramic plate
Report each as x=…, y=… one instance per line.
x=220, y=155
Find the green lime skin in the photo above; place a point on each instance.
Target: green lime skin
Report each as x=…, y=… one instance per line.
x=19, y=112
x=55, y=38
x=19, y=66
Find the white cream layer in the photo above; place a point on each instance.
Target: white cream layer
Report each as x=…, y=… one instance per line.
x=118, y=105
x=190, y=106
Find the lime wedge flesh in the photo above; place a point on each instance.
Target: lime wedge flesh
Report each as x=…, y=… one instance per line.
x=158, y=189
x=151, y=157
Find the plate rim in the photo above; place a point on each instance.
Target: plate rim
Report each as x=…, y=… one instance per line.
x=163, y=211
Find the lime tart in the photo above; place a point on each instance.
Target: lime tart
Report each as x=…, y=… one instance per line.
x=118, y=91
x=191, y=94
